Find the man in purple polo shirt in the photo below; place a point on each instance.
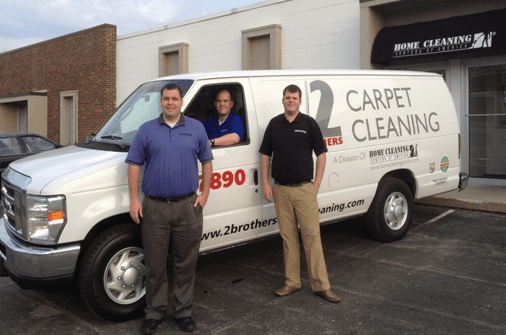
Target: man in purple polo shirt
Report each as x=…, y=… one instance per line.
x=170, y=147
x=227, y=127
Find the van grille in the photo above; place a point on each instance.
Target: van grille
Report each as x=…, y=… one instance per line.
x=9, y=207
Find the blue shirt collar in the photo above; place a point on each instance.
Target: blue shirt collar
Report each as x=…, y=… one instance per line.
x=181, y=121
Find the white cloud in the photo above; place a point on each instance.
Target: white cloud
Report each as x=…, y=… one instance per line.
x=127, y=15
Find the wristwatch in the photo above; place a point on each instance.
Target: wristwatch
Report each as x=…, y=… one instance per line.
x=212, y=142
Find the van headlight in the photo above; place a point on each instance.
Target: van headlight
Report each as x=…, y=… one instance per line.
x=45, y=217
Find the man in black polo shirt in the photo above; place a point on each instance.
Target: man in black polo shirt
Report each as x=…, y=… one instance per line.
x=292, y=137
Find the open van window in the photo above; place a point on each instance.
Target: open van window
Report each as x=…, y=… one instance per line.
x=202, y=106
x=143, y=105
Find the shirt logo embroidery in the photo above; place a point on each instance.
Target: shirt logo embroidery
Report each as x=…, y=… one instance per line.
x=300, y=131
x=185, y=134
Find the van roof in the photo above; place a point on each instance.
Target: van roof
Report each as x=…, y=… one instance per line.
x=279, y=73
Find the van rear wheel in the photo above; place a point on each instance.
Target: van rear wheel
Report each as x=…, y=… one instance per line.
x=391, y=212
x=112, y=276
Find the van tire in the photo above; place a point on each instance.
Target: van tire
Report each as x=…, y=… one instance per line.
x=391, y=211
x=115, y=257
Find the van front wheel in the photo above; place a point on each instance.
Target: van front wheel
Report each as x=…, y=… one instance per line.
x=391, y=212
x=112, y=275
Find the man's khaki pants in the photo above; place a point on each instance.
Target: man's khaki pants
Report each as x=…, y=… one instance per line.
x=299, y=205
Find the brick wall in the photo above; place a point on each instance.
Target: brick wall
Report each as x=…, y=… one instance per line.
x=84, y=61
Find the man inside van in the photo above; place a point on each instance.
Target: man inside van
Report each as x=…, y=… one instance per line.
x=171, y=211
x=292, y=137
x=227, y=127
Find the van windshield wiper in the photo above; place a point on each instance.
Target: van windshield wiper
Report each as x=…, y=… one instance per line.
x=88, y=140
x=115, y=138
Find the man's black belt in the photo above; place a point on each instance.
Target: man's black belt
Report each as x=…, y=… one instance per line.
x=292, y=184
x=173, y=199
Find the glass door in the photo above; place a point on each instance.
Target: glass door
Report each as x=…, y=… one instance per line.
x=486, y=122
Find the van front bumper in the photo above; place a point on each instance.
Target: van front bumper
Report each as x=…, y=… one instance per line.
x=463, y=181
x=30, y=265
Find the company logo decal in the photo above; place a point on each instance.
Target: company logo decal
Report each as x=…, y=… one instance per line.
x=393, y=157
x=333, y=141
x=393, y=154
x=445, y=163
x=445, y=44
x=432, y=167
x=332, y=135
x=483, y=40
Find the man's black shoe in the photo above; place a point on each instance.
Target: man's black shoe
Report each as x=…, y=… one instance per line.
x=186, y=324
x=150, y=326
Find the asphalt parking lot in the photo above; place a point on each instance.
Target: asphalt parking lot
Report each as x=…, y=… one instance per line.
x=447, y=276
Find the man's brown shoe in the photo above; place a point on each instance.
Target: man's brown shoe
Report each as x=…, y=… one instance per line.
x=286, y=290
x=328, y=295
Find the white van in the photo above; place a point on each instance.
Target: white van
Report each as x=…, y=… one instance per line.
x=392, y=136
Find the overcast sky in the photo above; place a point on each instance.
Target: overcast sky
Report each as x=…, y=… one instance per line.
x=25, y=22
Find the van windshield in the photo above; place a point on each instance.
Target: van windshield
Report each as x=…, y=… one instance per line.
x=142, y=105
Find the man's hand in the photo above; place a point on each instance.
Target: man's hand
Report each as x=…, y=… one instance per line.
x=320, y=169
x=202, y=200
x=267, y=192
x=265, y=163
x=317, y=186
x=207, y=171
x=134, y=172
x=136, y=210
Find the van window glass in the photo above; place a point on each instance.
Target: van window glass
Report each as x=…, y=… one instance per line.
x=143, y=105
x=202, y=105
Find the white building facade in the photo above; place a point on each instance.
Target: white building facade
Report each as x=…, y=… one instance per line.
x=274, y=34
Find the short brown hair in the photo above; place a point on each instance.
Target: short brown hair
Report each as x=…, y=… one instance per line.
x=170, y=87
x=292, y=89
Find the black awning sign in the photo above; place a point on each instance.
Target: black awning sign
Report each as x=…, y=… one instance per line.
x=445, y=44
x=463, y=34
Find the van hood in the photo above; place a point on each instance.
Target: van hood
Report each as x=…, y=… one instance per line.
x=45, y=167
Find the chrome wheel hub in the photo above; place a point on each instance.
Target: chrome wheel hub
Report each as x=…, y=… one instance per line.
x=124, y=276
x=396, y=211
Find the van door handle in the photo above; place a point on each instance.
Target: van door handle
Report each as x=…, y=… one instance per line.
x=255, y=177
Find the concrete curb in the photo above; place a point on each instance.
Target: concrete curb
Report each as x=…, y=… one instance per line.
x=477, y=205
